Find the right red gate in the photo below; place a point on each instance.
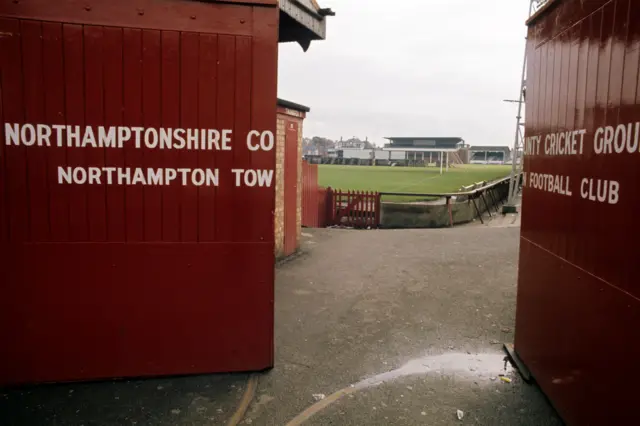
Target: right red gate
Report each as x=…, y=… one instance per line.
x=578, y=313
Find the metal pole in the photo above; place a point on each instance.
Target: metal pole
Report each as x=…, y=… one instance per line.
x=440, y=162
x=510, y=206
x=447, y=160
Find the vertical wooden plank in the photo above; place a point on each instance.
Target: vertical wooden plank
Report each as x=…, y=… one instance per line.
x=38, y=185
x=574, y=52
x=631, y=77
x=208, y=77
x=225, y=222
x=572, y=113
x=592, y=120
x=542, y=89
x=4, y=222
x=151, y=118
x=189, y=121
x=132, y=100
x=594, y=26
x=565, y=43
x=533, y=91
x=604, y=64
x=14, y=157
x=54, y=96
x=94, y=117
x=171, y=221
x=263, y=113
x=618, y=49
x=113, y=112
x=74, y=96
x=581, y=85
x=557, y=78
x=548, y=109
x=242, y=196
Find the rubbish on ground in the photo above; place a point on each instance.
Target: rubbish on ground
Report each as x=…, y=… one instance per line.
x=493, y=379
x=460, y=414
x=319, y=396
x=423, y=413
x=505, y=379
x=495, y=342
x=506, y=330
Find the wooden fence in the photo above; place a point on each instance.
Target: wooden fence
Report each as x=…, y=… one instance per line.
x=315, y=198
x=323, y=207
x=355, y=209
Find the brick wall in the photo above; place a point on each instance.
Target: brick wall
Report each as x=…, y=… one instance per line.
x=279, y=209
x=279, y=203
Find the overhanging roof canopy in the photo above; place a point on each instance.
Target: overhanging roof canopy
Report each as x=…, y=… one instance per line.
x=302, y=21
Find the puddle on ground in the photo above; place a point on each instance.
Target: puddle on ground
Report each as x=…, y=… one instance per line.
x=463, y=366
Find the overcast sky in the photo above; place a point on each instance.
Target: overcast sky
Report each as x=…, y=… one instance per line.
x=411, y=68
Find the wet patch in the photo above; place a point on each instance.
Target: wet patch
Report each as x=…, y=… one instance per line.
x=476, y=368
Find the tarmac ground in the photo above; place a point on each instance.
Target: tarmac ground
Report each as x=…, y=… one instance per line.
x=401, y=327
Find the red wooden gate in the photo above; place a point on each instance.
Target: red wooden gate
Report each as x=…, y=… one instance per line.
x=357, y=209
x=144, y=271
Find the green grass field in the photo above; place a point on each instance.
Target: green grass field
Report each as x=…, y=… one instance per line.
x=407, y=179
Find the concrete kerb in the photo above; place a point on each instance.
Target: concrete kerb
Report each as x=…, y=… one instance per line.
x=449, y=210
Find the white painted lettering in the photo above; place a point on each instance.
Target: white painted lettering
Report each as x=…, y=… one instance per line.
x=184, y=175
x=59, y=128
x=79, y=175
x=94, y=175
x=250, y=145
x=197, y=177
x=614, y=190
x=609, y=133
x=170, y=175
x=107, y=138
x=211, y=177
x=89, y=138
x=154, y=177
x=165, y=138
x=64, y=175
x=633, y=148
x=265, y=177
x=250, y=177
x=151, y=138
x=137, y=131
x=73, y=136
x=620, y=139
x=109, y=171
x=584, y=193
x=28, y=134
x=124, y=134
x=44, y=133
x=192, y=138
x=12, y=134
x=124, y=176
x=598, y=141
x=226, y=140
x=238, y=173
x=213, y=139
x=138, y=177
x=178, y=134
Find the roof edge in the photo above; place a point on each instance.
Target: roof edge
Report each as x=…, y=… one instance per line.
x=542, y=11
x=292, y=105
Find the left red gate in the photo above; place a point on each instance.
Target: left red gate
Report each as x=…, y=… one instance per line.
x=134, y=135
